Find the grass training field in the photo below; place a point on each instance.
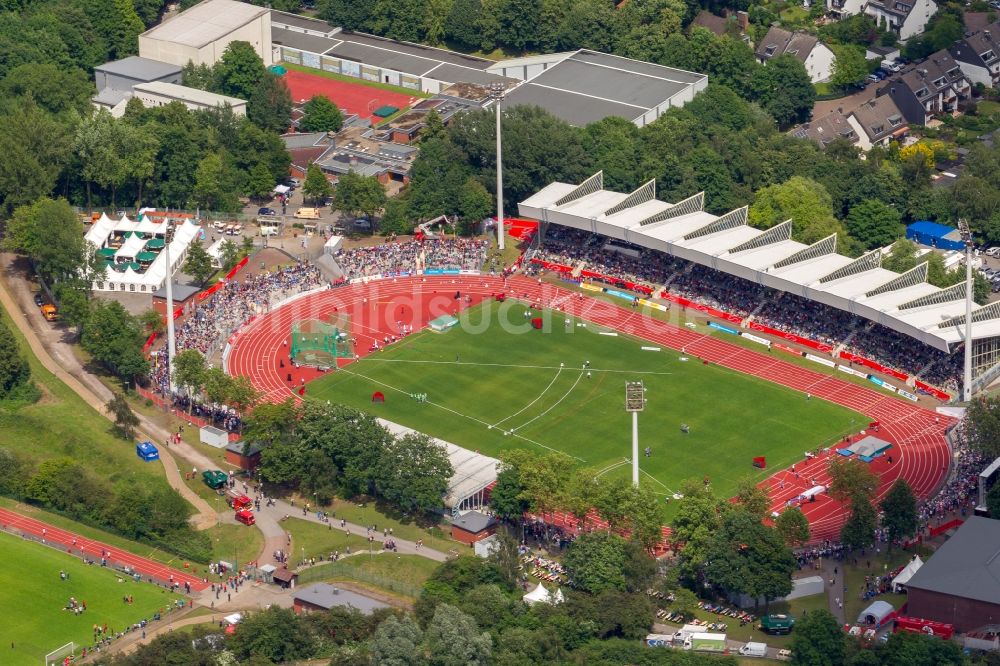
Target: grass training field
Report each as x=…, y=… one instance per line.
x=490, y=387
x=32, y=598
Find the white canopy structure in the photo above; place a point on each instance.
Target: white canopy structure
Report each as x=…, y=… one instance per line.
x=877, y=613
x=541, y=595
x=151, y=279
x=904, y=576
x=903, y=302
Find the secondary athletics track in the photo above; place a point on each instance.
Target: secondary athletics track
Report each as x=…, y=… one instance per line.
x=920, y=453
x=350, y=97
x=96, y=550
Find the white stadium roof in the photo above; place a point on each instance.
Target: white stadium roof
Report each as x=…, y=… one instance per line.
x=903, y=302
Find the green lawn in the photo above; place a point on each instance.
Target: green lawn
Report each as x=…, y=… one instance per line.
x=369, y=514
x=881, y=563
x=312, y=539
x=509, y=390
x=32, y=598
x=399, y=574
x=235, y=543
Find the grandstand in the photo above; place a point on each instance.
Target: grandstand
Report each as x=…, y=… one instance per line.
x=853, y=290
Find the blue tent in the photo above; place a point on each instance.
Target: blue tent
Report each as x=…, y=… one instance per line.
x=147, y=451
x=936, y=235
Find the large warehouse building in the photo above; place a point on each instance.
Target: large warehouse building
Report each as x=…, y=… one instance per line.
x=202, y=33
x=960, y=583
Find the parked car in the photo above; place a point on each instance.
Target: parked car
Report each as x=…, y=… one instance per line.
x=246, y=517
x=39, y=301
x=992, y=251
x=266, y=211
x=294, y=183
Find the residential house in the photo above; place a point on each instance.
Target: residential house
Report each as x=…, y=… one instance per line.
x=906, y=18
x=733, y=23
x=816, y=56
x=877, y=122
x=826, y=129
x=978, y=54
x=844, y=8
x=933, y=86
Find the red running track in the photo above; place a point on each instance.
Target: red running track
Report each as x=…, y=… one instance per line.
x=95, y=549
x=350, y=97
x=920, y=452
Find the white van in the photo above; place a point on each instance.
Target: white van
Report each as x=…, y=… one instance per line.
x=754, y=650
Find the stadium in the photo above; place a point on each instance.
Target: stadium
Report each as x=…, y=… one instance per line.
x=537, y=357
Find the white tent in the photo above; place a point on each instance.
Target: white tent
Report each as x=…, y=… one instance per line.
x=234, y=618
x=281, y=189
x=540, y=595
x=906, y=574
x=878, y=613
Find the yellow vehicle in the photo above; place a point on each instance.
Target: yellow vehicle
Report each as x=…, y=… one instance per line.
x=307, y=214
x=50, y=312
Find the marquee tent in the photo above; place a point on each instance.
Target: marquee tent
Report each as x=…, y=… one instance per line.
x=541, y=595
x=904, y=576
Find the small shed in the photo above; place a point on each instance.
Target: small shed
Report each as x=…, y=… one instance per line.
x=284, y=578
x=180, y=293
x=936, y=235
x=147, y=451
x=877, y=614
x=245, y=455
x=268, y=571
x=473, y=526
x=323, y=597
x=213, y=436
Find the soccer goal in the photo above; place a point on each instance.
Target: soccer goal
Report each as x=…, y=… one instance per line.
x=62, y=655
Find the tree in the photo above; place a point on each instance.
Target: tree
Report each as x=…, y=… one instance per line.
x=982, y=425
x=685, y=602
x=270, y=104
x=230, y=254
x=859, y=530
x=474, y=205
x=349, y=14
x=850, y=479
x=36, y=147
x=239, y=71
x=215, y=186
x=357, y=194
x=14, y=369
x=189, y=370
x=55, y=89
x=818, y=640
x=321, y=115
x=51, y=235
x=748, y=557
x=125, y=419
x=899, y=512
x=850, y=66
x=115, y=339
x=260, y=182
x=506, y=498
x=453, y=639
x=874, y=223
x=793, y=526
x=752, y=498
x=198, y=263
x=784, y=89
x=518, y=25
x=397, y=642
x=316, y=186
x=803, y=201
x=413, y=473
x=542, y=477
x=275, y=634
x=461, y=25
x=596, y=562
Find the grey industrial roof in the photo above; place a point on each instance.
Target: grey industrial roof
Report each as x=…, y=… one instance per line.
x=304, y=22
x=418, y=50
x=327, y=596
x=186, y=94
x=179, y=292
x=967, y=565
x=205, y=23
x=460, y=74
x=136, y=67
x=302, y=41
x=473, y=521
x=251, y=448
x=303, y=139
x=588, y=86
x=110, y=97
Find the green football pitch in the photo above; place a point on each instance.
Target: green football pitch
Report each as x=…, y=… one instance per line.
x=482, y=381
x=32, y=599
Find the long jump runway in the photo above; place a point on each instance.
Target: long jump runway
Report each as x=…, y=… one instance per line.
x=920, y=452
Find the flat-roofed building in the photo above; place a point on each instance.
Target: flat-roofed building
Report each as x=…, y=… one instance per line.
x=159, y=93
x=202, y=33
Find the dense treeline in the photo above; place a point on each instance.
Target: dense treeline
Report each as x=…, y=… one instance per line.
x=324, y=450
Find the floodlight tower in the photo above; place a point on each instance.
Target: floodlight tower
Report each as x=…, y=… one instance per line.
x=168, y=237
x=963, y=227
x=635, y=402
x=497, y=91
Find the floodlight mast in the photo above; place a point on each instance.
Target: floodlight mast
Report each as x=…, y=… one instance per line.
x=168, y=238
x=497, y=91
x=635, y=402
x=963, y=227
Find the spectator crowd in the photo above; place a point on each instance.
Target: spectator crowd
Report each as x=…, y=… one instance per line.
x=620, y=261
x=408, y=257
